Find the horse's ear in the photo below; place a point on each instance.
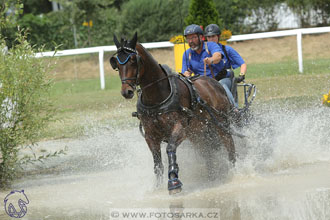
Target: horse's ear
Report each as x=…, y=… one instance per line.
x=133, y=41
x=123, y=41
x=115, y=40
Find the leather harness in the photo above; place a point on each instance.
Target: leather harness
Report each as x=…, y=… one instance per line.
x=172, y=102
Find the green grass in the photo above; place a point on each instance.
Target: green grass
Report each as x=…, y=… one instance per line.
x=85, y=85
x=287, y=68
x=85, y=94
x=82, y=104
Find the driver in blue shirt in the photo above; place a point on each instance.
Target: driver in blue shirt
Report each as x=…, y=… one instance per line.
x=231, y=60
x=200, y=53
x=209, y=53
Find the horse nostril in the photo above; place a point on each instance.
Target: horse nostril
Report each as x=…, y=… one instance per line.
x=130, y=92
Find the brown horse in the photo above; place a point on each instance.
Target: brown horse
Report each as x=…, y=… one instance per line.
x=172, y=108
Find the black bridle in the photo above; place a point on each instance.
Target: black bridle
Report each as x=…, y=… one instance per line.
x=136, y=79
x=129, y=52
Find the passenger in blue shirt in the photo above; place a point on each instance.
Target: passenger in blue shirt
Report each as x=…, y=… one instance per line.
x=200, y=53
x=232, y=59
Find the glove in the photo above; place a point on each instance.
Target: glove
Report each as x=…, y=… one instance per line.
x=240, y=78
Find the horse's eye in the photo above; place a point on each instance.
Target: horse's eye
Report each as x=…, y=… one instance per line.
x=133, y=60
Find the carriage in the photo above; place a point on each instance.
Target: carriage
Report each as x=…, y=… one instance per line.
x=248, y=92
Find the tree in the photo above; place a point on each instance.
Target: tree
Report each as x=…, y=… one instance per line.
x=322, y=7
x=232, y=13
x=36, y=7
x=249, y=15
x=117, y=3
x=9, y=11
x=101, y=13
x=155, y=20
x=307, y=9
x=203, y=12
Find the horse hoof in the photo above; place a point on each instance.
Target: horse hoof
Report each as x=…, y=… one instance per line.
x=174, y=186
x=175, y=191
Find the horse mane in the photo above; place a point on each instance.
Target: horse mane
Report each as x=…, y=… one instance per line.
x=142, y=50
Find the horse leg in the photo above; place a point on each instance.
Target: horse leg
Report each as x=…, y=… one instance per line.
x=229, y=145
x=174, y=184
x=154, y=146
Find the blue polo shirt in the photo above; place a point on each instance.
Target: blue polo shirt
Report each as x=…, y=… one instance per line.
x=196, y=63
x=235, y=60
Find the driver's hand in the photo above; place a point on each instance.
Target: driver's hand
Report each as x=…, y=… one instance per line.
x=241, y=78
x=187, y=73
x=208, y=60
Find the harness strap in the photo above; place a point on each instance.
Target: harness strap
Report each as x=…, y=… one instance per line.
x=125, y=81
x=204, y=69
x=167, y=105
x=206, y=48
x=226, y=54
x=210, y=67
x=152, y=83
x=139, y=62
x=127, y=58
x=211, y=112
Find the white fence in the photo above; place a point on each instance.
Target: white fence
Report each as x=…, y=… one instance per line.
x=101, y=50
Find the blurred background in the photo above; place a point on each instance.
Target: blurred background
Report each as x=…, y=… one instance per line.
x=86, y=23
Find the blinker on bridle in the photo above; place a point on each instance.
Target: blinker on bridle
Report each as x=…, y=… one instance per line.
x=123, y=60
x=125, y=50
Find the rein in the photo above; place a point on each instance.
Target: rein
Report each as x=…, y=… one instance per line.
x=124, y=81
x=134, y=78
x=152, y=83
x=211, y=69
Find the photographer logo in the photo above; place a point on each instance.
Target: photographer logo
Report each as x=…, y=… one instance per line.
x=15, y=204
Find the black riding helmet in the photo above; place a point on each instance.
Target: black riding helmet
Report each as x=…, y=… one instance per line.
x=212, y=29
x=193, y=29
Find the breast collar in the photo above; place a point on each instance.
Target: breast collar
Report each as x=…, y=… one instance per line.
x=171, y=103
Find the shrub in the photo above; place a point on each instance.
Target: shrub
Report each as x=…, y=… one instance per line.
x=203, y=12
x=156, y=20
x=24, y=107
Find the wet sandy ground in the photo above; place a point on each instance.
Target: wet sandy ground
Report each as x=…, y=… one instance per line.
x=283, y=172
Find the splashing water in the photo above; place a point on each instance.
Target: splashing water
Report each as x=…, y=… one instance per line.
x=282, y=172
x=283, y=139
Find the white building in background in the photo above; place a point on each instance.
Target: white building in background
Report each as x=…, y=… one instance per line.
x=56, y=6
x=284, y=16
x=7, y=106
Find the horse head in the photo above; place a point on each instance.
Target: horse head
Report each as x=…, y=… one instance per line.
x=127, y=62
